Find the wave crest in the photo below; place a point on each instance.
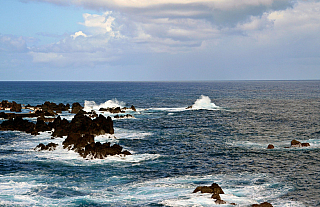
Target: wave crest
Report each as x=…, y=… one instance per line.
x=204, y=102
x=91, y=105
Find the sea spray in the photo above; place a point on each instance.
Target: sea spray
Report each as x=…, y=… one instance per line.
x=91, y=105
x=204, y=102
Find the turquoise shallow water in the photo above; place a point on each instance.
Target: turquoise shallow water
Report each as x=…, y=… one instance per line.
x=223, y=139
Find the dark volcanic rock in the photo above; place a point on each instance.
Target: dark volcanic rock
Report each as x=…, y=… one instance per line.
x=219, y=201
x=53, y=108
x=133, y=108
x=76, y=107
x=214, y=188
x=61, y=127
x=123, y=116
x=41, y=126
x=265, y=204
x=100, y=151
x=17, y=124
x=115, y=110
x=77, y=141
x=216, y=196
x=4, y=115
x=20, y=124
x=295, y=143
x=51, y=146
x=13, y=106
x=82, y=124
x=270, y=146
x=305, y=144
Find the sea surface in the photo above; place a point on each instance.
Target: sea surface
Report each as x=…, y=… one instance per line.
x=222, y=139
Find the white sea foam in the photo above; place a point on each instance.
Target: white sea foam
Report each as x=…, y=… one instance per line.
x=278, y=145
x=242, y=189
x=204, y=102
x=130, y=134
x=91, y=105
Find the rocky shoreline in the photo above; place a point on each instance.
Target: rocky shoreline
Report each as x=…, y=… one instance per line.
x=80, y=131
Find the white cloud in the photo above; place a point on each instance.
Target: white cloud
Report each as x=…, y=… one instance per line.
x=77, y=34
x=10, y=43
x=234, y=32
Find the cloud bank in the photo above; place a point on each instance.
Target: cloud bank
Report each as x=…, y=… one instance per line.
x=280, y=30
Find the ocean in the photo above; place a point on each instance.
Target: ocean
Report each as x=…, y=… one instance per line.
x=223, y=139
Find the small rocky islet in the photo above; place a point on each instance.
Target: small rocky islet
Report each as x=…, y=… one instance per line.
x=294, y=144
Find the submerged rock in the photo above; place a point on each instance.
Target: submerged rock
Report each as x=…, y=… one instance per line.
x=219, y=201
x=264, y=204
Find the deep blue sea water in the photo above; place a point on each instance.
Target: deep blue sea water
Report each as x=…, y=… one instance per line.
x=223, y=139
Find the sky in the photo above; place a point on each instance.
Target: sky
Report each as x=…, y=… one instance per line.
x=159, y=40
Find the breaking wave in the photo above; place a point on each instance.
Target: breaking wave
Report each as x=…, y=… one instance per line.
x=91, y=105
x=204, y=102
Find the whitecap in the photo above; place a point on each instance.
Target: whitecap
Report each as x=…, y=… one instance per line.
x=131, y=134
x=92, y=105
x=204, y=102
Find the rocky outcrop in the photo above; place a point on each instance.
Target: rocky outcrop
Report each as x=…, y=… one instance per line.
x=80, y=131
x=76, y=107
x=82, y=124
x=13, y=106
x=51, y=146
x=76, y=141
x=60, y=127
x=4, y=115
x=270, y=146
x=123, y=116
x=295, y=143
x=215, y=189
x=100, y=151
x=18, y=124
x=53, y=108
x=265, y=204
x=116, y=110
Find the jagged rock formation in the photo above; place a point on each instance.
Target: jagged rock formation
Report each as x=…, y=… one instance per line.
x=51, y=146
x=13, y=106
x=80, y=131
x=215, y=189
x=295, y=143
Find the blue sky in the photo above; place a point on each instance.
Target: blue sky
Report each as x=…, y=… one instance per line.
x=159, y=40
